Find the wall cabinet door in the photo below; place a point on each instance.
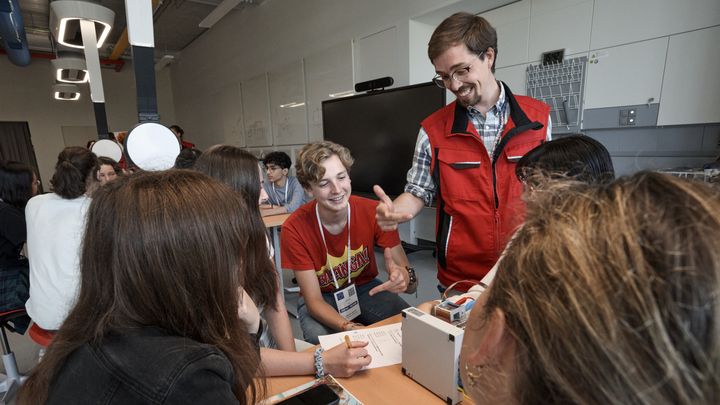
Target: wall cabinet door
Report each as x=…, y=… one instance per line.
x=625, y=75
x=691, y=89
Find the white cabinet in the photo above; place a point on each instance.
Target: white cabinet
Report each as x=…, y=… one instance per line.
x=625, y=75
x=256, y=111
x=515, y=77
x=287, y=104
x=512, y=24
x=421, y=69
x=621, y=21
x=560, y=24
x=691, y=89
x=328, y=74
x=378, y=55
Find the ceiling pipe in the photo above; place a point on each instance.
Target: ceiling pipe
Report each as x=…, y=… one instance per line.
x=117, y=65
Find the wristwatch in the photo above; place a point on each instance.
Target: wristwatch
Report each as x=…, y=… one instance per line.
x=412, y=280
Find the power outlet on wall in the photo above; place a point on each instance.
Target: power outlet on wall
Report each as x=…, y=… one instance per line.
x=628, y=117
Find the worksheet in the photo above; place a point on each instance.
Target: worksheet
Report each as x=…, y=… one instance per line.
x=384, y=343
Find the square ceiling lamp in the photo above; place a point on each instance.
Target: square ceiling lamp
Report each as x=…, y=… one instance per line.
x=70, y=68
x=65, y=17
x=66, y=92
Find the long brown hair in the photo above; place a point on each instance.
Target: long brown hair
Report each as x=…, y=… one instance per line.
x=167, y=250
x=240, y=170
x=612, y=293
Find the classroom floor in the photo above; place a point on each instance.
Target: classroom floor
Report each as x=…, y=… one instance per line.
x=26, y=351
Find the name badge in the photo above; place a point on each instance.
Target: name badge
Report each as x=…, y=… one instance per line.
x=347, y=302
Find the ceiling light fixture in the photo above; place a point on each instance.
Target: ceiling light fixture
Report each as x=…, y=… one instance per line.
x=341, y=94
x=66, y=92
x=65, y=17
x=70, y=68
x=292, y=105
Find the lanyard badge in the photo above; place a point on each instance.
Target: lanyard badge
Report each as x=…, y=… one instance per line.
x=346, y=300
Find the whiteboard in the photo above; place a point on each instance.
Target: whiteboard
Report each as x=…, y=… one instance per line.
x=287, y=104
x=256, y=111
x=229, y=115
x=328, y=74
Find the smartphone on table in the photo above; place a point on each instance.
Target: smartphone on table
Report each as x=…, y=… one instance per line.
x=317, y=395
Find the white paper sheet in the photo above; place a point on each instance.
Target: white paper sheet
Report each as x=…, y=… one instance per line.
x=384, y=343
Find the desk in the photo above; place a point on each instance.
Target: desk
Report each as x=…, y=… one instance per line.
x=273, y=223
x=385, y=385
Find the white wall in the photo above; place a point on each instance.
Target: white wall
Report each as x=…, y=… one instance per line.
x=26, y=96
x=246, y=44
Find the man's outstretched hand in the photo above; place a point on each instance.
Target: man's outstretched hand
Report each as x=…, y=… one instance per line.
x=385, y=214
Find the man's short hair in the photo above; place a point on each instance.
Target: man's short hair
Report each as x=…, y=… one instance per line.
x=278, y=158
x=471, y=30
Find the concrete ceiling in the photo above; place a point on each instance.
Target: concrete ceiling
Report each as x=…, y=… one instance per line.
x=176, y=24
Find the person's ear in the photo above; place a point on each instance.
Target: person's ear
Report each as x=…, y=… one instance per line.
x=495, y=340
x=490, y=56
x=285, y=172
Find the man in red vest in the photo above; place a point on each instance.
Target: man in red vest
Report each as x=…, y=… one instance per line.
x=466, y=153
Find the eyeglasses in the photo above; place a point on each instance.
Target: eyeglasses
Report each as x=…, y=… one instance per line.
x=444, y=81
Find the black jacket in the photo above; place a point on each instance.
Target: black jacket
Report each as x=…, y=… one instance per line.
x=145, y=366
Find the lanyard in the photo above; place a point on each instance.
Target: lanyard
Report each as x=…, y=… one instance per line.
x=327, y=253
x=287, y=182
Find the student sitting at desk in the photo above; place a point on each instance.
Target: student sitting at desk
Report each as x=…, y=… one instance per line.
x=608, y=294
x=239, y=170
x=55, y=227
x=158, y=319
x=284, y=192
x=329, y=244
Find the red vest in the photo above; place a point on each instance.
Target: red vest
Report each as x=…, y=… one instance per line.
x=478, y=197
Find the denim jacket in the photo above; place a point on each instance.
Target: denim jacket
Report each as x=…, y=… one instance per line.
x=144, y=366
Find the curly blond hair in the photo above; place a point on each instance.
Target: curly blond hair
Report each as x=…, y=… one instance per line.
x=308, y=167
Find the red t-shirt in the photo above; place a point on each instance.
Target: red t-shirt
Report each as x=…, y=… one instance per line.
x=302, y=246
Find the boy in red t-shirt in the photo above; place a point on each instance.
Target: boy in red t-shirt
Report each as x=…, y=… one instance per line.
x=316, y=240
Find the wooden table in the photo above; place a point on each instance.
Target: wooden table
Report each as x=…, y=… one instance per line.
x=384, y=385
x=273, y=223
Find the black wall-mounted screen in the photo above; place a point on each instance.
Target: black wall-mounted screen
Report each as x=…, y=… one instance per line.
x=380, y=129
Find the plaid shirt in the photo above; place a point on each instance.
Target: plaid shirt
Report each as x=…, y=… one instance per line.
x=490, y=127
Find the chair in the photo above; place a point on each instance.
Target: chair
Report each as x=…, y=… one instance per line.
x=41, y=336
x=13, y=379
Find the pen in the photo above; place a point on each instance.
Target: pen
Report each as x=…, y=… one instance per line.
x=347, y=342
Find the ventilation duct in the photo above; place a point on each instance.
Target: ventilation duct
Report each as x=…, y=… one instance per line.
x=12, y=33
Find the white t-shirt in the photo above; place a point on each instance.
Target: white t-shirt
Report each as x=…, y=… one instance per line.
x=55, y=228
